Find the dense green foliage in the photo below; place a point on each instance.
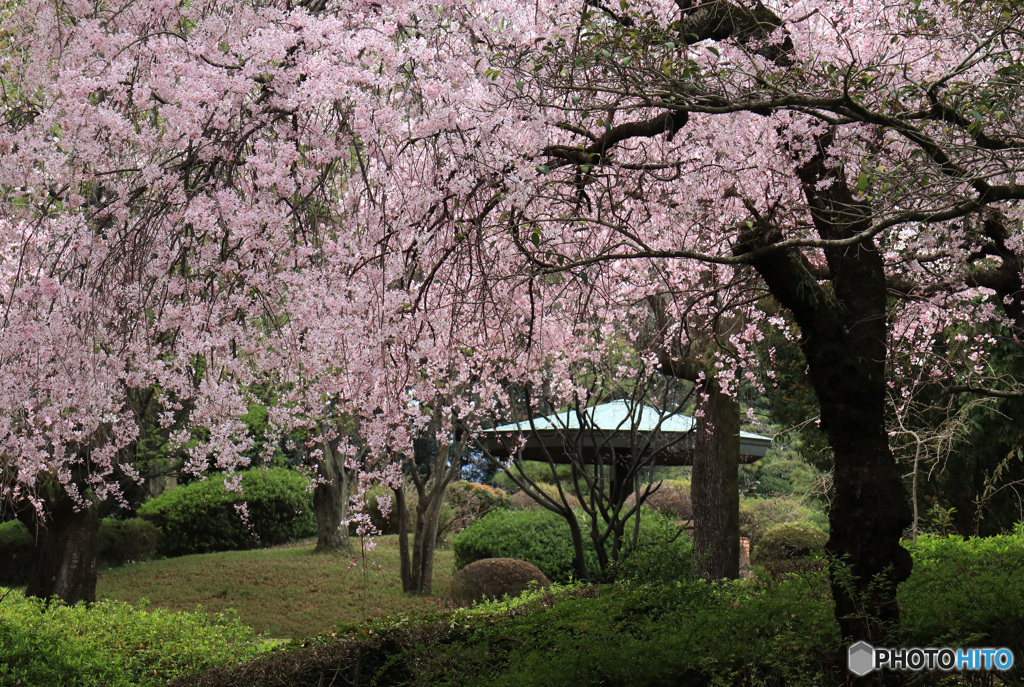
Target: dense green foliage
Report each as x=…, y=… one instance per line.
x=127, y=541
x=15, y=553
x=205, y=516
x=542, y=538
x=754, y=633
x=966, y=593
x=119, y=542
x=111, y=644
x=538, y=472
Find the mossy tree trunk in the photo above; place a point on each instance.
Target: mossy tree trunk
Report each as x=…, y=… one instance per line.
x=331, y=500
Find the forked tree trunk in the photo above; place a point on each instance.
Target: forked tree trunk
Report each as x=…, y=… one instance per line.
x=330, y=501
x=424, y=542
x=714, y=487
x=417, y=569
x=64, y=557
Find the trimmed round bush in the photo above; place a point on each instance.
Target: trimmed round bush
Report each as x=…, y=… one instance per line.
x=785, y=548
x=204, y=516
x=538, y=536
x=758, y=515
x=493, y=578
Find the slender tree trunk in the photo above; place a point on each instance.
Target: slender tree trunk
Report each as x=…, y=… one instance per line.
x=424, y=543
x=64, y=558
x=330, y=501
x=405, y=571
x=715, y=487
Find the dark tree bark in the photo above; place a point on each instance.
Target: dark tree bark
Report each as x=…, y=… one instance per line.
x=64, y=558
x=714, y=487
x=843, y=329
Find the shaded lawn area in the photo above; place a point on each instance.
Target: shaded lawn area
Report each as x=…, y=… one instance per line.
x=282, y=592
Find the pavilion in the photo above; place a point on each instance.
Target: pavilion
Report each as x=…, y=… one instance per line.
x=618, y=426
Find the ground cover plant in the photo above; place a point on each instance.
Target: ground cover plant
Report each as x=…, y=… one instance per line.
x=112, y=644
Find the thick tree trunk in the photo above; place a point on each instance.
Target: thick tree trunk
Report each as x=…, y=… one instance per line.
x=330, y=501
x=64, y=558
x=870, y=508
x=844, y=336
x=715, y=487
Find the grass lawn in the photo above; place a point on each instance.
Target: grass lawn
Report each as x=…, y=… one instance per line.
x=283, y=592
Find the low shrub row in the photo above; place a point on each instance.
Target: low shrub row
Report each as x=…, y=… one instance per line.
x=111, y=644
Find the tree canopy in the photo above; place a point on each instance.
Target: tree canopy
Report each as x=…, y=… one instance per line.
x=374, y=203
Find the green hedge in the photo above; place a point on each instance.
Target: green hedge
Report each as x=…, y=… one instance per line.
x=543, y=538
x=15, y=554
x=111, y=644
x=203, y=516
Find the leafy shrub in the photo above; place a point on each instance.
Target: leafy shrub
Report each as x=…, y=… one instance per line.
x=536, y=470
x=543, y=538
x=672, y=497
x=691, y=633
x=111, y=644
x=966, y=593
x=757, y=516
x=204, y=516
x=126, y=541
x=120, y=541
x=785, y=548
x=385, y=524
x=15, y=553
x=538, y=536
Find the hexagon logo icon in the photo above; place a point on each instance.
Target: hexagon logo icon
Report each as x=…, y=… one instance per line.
x=861, y=659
